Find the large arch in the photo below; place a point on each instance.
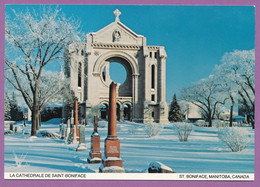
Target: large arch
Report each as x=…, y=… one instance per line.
x=97, y=69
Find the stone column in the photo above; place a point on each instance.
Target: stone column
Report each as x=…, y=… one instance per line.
x=67, y=131
x=82, y=143
x=24, y=122
x=76, y=120
x=135, y=97
x=62, y=133
x=112, y=133
x=122, y=118
x=112, y=163
x=95, y=154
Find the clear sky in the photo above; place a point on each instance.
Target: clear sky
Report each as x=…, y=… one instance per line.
x=195, y=37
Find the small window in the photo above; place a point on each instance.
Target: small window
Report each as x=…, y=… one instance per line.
x=153, y=97
x=155, y=54
x=79, y=75
x=151, y=54
x=152, y=76
x=153, y=114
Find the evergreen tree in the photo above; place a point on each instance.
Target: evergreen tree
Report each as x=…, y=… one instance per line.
x=175, y=111
x=7, y=108
x=15, y=111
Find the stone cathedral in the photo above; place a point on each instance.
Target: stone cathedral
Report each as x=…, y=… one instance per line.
x=141, y=98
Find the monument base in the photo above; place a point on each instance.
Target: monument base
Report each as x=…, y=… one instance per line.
x=112, y=147
x=112, y=161
x=112, y=165
x=81, y=147
x=94, y=158
x=73, y=134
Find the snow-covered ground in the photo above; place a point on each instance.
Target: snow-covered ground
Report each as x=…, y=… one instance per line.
x=203, y=153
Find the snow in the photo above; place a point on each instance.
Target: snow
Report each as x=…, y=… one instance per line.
x=113, y=158
x=158, y=165
x=202, y=153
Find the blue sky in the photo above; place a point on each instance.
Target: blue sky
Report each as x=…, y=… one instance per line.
x=195, y=37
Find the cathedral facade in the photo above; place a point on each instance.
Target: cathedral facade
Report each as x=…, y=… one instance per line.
x=141, y=98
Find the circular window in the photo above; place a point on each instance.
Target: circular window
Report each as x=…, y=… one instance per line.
x=116, y=72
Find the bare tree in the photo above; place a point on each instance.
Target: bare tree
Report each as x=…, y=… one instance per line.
x=203, y=94
x=35, y=41
x=227, y=87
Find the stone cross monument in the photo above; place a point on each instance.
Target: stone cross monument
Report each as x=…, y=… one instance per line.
x=95, y=154
x=112, y=163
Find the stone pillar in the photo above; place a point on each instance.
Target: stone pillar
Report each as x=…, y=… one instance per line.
x=163, y=107
x=75, y=135
x=82, y=144
x=112, y=133
x=67, y=131
x=112, y=163
x=24, y=120
x=136, y=115
x=122, y=118
x=95, y=154
x=60, y=129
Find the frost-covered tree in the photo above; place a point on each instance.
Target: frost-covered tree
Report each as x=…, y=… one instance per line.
x=227, y=88
x=204, y=94
x=7, y=107
x=68, y=100
x=175, y=113
x=237, y=72
x=35, y=40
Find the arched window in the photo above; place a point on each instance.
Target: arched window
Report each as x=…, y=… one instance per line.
x=152, y=76
x=79, y=74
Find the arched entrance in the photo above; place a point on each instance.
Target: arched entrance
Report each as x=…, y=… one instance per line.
x=127, y=111
x=118, y=112
x=104, y=111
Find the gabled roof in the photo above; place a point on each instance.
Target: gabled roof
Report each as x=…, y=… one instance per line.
x=120, y=24
x=116, y=32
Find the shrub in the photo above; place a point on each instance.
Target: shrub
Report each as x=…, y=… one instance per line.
x=90, y=121
x=102, y=124
x=200, y=123
x=152, y=129
x=218, y=123
x=183, y=130
x=19, y=160
x=235, y=138
x=94, y=111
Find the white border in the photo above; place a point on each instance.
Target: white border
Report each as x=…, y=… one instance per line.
x=132, y=176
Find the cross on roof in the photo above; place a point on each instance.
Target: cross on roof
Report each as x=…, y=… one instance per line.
x=117, y=13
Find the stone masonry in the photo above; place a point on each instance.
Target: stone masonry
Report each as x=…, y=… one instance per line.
x=143, y=92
